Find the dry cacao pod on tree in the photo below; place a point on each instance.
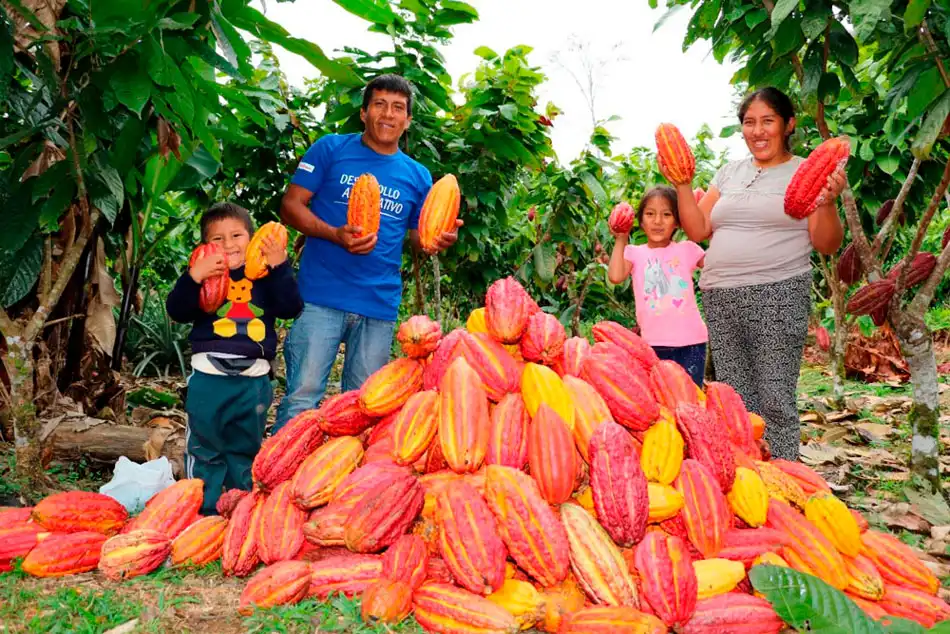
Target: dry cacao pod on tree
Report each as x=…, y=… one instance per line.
x=362, y=209
x=921, y=267
x=885, y=211
x=803, y=193
x=255, y=264
x=214, y=290
x=850, y=269
x=621, y=218
x=439, y=211
x=675, y=158
x=871, y=297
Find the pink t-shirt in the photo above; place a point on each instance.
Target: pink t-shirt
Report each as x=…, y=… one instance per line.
x=663, y=289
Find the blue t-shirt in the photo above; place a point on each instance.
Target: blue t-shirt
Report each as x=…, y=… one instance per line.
x=371, y=284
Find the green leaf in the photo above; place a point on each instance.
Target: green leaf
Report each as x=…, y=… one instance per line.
x=126, y=146
x=926, y=89
x=20, y=270
x=814, y=25
x=486, y=53
x=782, y=9
x=113, y=181
x=807, y=603
x=131, y=83
x=867, y=15
x=843, y=47
x=789, y=37
x=199, y=167
x=903, y=626
x=545, y=262
x=755, y=18
x=56, y=204
x=369, y=10
x=461, y=7
x=916, y=10
x=508, y=111
x=888, y=164
x=930, y=129
x=940, y=628
x=866, y=152
x=104, y=202
x=829, y=86
x=235, y=49
x=178, y=21
x=20, y=219
x=594, y=188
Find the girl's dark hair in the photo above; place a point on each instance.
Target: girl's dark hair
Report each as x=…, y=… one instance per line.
x=221, y=211
x=661, y=191
x=774, y=99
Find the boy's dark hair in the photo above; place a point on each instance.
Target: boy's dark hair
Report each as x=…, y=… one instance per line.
x=774, y=99
x=389, y=83
x=660, y=191
x=221, y=211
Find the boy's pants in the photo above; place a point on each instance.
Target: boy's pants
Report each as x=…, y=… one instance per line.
x=226, y=418
x=311, y=348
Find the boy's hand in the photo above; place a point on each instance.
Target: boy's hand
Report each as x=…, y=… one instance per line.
x=273, y=252
x=208, y=266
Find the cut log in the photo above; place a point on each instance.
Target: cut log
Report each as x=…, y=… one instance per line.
x=103, y=442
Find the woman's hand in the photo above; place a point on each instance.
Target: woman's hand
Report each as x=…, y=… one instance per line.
x=837, y=181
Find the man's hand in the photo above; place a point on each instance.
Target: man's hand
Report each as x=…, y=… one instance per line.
x=447, y=239
x=208, y=266
x=273, y=252
x=346, y=237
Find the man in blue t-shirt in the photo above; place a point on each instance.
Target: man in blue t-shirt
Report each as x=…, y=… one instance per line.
x=351, y=283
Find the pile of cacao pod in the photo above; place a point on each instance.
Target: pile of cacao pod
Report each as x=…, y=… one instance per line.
x=501, y=477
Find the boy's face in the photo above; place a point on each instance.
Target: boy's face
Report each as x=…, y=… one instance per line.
x=231, y=235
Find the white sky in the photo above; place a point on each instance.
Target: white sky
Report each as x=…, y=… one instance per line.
x=653, y=82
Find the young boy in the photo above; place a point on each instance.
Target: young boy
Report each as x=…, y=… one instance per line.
x=229, y=390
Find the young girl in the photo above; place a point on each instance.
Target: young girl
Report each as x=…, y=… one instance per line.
x=662, y=273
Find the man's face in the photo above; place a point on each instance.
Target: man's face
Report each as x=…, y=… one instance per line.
x=386, y=117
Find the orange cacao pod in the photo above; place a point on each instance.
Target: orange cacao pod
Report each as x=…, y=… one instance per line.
x=76, y=511
x=439, y=212
x=522, y=600
x=627, y=340
x=897, y=562
x=809, y=548
x=872, y=608
x=552, y=457
x=803, y=193
x=706, y=512
x=62, y=554
x=325, y=525
x=363, y=207
x=864, y=580
x=746, y=545
x=407, y=560
x=418, y=336
x=806, y=477
x=415, y=427
x=543, y=339
x=281, y=583
x=590, y=411
x=850, y=268
x=621, y=218
x=508, y=440
x=281, y=454
x=575, y=350
x=133, y=554
x=596, y=560
x=366, y=479
x=468, y=537
x=624, y=387
x=444, y=608
x=667, y=579
x=342, y=415
x=383, y=515
x=914, y=604
x=464, y=424
x=255, y=264
x=871, y=297
x=675, y=158
x=672, y=385
x=280, y=526
x=388, y=388
x=499, y=372
x=725, y=405
x=835, y=521
x=239, y=555
x=733, y=612
x=707, y=444
x=201, y=543
x=214, y=290
x=610, y=620
x=17, y=541
x=350, y=574
x=324, y=470
x=171, y=510
x=386, y=601
x=507, y=309
x=618, y=484
x=561, y=600
x=534, y=535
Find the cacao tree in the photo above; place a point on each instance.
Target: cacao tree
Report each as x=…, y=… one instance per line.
x=876, y=71
x=106, y=108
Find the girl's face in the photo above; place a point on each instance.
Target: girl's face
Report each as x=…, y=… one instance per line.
x=658, y=221
x=765, y=131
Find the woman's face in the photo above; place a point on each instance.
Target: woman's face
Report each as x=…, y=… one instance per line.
x=765, y=131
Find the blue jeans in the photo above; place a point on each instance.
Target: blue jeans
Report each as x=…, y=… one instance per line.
x=311, y=348
x=692, y=358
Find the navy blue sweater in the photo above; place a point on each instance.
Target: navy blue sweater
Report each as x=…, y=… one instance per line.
x=244, y=325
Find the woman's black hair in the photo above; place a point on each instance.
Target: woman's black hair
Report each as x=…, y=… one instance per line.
x=661, y=191
x=774, y=99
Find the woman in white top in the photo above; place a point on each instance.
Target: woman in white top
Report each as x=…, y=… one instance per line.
x=757, y=277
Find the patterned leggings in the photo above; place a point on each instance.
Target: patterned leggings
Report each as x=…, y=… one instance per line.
x=757, y=335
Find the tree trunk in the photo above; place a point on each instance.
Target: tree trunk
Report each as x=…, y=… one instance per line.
x=916, y=344
x=105, y=442
x=839, y=346
x=26, y=427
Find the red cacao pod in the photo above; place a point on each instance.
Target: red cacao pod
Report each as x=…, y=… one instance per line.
x=280, y=525
x=419, y=336
x=441, y=607
x=13, y=516
x=239, y=555
x=675, y=158
x=913, y=604
x=672, y=385
x=618, y=484
x=596, y=560
x=733, y=612
x=498, y=370
x=464, y=423
x=543, y=339
x=624, y=387
x=407, y=560
x=415, y=427
x=706, y=512
x=343, y=415
x=621, y=218
x=726, y=407
x=75, y=511
x=804, y=190
x=507, y=309
x=508, y=440
x=448, y=350
x=746, y=545
x=283, y=583
x=321, y=473
x=350, y=574
x=667, y=579
x=281, y=454
x=897, y=562
x=590, y=411
x=885, y=212
x=214, y=290
x=921, y=267
x=17, y=541
x=384, y=515
x=469, y=540
x=823, y=338
x=627, y=340
x=133, y=554
x=62, y=554
x=386, y=601
x=809, y=551
x=201, y=543
x=171, y=510
x=552, y=457
x=576, y=350
x=707, y=444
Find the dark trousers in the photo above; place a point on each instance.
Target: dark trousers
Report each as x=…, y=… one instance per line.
x=226, y=418
x=692, y=358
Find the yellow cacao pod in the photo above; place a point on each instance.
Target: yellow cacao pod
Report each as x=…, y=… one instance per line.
x=749, y=499
x=780, y=485
x=476, y=321
x=717, y=576
x=835, y=521
x=662, y=453
x=665, y=501
x=541, y=384
x=770, y=558
x=522, y=600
